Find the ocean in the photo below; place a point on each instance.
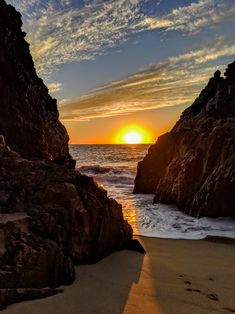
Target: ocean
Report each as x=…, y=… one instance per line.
x=114, y=168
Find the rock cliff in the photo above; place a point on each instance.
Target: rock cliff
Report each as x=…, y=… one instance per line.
x=28, y=115
x=51, y=216
x=193, y=166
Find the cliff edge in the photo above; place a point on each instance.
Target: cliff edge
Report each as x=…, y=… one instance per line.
x=193, y=166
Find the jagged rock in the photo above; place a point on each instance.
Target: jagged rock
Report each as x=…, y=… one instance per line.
x=51, y=216
x=34, y=130
x=193, y=166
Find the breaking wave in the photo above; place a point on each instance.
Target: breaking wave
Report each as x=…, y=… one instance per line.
x=114, y=167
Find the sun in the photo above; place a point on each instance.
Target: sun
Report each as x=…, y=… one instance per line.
x=133, y=134
x=133, y=138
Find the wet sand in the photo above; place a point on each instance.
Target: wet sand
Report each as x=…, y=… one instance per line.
x=174, y=277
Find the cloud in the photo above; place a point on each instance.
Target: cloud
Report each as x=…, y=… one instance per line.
x=54, y=87
x=61, y=31
x=193, y=17
x=175, y=81
x=202, y=55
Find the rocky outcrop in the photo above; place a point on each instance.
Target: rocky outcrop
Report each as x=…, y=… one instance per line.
x=193, y=166
x=34, y=129
x=51, y=216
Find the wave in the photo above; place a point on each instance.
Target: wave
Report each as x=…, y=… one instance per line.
x=116, y=174
x=116, y=170
x=117, y=177
x=95, y=169
x=155, y=220
x=165, y=221
x=118, y=180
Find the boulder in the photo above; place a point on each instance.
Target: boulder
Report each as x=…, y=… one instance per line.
x=193, y=166
x=52, y=217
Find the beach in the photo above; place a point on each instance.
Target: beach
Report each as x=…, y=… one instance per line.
x=117, y=125
x=174, y=277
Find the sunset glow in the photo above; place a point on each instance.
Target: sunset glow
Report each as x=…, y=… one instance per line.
x=133, y=134
x=133, y=138
x=120, y=62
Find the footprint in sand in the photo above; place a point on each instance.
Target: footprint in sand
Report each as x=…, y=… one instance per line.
x=193, y=290
x=213, y=296
x=187, y=282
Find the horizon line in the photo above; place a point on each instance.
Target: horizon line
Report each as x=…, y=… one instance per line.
x=111, y=144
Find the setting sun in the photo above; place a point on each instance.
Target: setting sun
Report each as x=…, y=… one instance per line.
x=133, y=138
x=133, y=134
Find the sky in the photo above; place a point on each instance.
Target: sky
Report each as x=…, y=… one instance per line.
x=118, y=63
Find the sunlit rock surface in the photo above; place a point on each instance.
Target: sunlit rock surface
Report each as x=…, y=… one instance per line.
x=193, y=166
x=51, y=217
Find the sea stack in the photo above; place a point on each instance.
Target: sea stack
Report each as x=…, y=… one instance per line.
x=51, y=216
x=193, y=166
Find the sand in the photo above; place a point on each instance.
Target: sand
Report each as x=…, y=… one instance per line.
x=175, y=276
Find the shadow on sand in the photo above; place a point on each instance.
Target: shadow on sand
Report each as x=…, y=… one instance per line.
x=100, y=288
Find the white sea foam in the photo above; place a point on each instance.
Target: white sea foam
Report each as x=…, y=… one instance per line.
x=114, y=167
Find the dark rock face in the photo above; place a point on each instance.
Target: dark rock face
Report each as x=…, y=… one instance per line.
x=193, y=166
x=51, y=216
x=34, y=129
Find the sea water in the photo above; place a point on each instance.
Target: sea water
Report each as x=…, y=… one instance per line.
x=114, y=168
